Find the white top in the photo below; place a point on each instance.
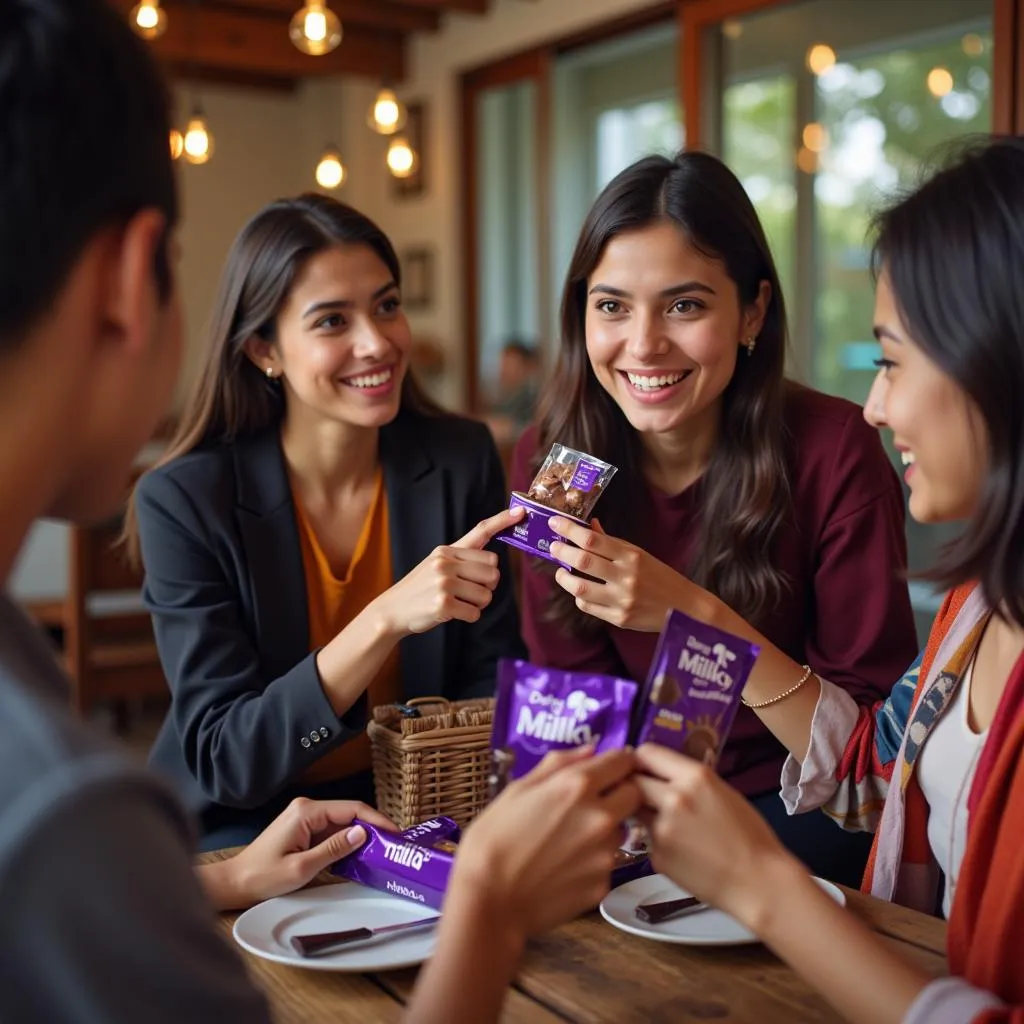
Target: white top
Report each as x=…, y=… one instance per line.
x=945, y=770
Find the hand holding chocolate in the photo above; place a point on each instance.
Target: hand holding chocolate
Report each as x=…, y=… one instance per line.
x=537, y=710
x=568, y=483
x=688, y=704
x=414, y=864
x=693, y=688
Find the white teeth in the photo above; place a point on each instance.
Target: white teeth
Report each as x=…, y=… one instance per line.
x=908, y=458
x=370, y=380
x=653, y=383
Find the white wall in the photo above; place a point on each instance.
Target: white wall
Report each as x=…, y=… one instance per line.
x=436, y=61
x=266, y=145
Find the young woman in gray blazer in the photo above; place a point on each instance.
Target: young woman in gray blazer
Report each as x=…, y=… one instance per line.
x=297, y=534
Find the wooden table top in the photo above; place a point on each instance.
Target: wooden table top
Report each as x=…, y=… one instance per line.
x=587, y=972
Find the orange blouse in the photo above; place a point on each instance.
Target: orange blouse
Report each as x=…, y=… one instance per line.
x=333, y=603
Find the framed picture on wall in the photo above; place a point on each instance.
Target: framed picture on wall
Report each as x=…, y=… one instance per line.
x=417, y=278
x=414, y=185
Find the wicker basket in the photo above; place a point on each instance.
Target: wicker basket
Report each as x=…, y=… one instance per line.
x=433, y=765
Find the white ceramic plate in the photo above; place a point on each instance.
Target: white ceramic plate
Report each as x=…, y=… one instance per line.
x=708, y=927
x=266, y=930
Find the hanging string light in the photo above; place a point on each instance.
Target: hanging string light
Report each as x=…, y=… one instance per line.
x=197, y=139
x=315, y=28
x=387, y=115
x=198, y=142
x=821, y=58
x=402, y=159
x=940, y=82
x=148, y=19
x=330, y=172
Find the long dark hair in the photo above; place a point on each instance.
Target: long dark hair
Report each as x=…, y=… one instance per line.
x=230, y=398
x=745, y=489
x=953, y=252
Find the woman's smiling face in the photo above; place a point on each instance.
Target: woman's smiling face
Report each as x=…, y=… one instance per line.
x=664, y=327
x=937, y=429
x=342, y=340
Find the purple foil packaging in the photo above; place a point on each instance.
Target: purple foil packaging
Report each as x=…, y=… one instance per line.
x=414, y=864
x=538, y=710
x=693, y=688
x=434, y=830
x=568, y=484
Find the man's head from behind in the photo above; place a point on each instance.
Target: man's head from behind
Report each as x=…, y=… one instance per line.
x=89, y=321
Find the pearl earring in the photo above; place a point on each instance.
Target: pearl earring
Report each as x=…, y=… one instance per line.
x=751, y=344
x=270, y=372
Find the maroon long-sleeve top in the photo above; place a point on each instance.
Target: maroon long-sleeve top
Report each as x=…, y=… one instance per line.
x=846, y=611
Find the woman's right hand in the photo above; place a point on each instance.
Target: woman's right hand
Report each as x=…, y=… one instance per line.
x=455, y=581
x=544, y=850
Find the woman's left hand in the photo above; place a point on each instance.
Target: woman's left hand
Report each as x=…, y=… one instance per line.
x=635, y=591
x=707, y=837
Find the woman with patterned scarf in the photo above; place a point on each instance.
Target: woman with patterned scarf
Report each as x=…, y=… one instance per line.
x=936, y=770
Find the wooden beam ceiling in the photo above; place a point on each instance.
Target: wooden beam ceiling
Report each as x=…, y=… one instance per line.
x=396, y=17
x=254, y=48
x=472, y=6
x=246, y=41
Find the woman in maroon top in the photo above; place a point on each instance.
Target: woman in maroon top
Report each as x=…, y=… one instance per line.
x=778, y=501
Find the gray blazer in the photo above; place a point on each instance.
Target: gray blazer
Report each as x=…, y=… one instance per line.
x=224, y=582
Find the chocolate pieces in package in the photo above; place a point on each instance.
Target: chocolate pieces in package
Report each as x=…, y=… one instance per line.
x=568, y=483
x=693, y=688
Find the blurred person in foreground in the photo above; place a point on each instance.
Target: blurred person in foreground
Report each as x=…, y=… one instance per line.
x=108, y=920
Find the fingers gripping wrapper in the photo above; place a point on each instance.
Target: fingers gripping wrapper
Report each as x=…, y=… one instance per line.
x=568, y=483
x=414, y=864
x=538, y=710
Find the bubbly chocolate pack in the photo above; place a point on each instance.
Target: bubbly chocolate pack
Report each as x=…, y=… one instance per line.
x=538, y=710
x=693, y=688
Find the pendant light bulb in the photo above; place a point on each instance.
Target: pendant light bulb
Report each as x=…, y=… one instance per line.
x=387, y=115
x=315, y=28
x=148, y=19
x=402, y=159
x=330, y=172
x=198, y=142
x=177, y=141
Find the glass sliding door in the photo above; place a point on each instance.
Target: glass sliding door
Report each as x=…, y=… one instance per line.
x=824, y=114
x=613, y=102
x=505, y=126
x=506, y=225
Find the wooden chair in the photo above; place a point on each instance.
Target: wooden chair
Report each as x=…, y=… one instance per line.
x=109, y=649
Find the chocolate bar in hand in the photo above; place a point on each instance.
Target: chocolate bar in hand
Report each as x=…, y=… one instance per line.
x=693, y=687
x=414, y=864
x=538, y=710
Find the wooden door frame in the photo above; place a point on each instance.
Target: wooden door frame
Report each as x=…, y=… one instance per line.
x=1007, y=61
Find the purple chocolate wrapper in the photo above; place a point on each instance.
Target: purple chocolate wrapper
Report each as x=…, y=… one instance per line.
x=532, y=533
x=639, y=867
x=538, y=710
x=433, y=831
x=391, y=862
x=693, y=687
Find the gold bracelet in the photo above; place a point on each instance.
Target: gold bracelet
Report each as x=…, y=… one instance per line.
x=781, y=696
